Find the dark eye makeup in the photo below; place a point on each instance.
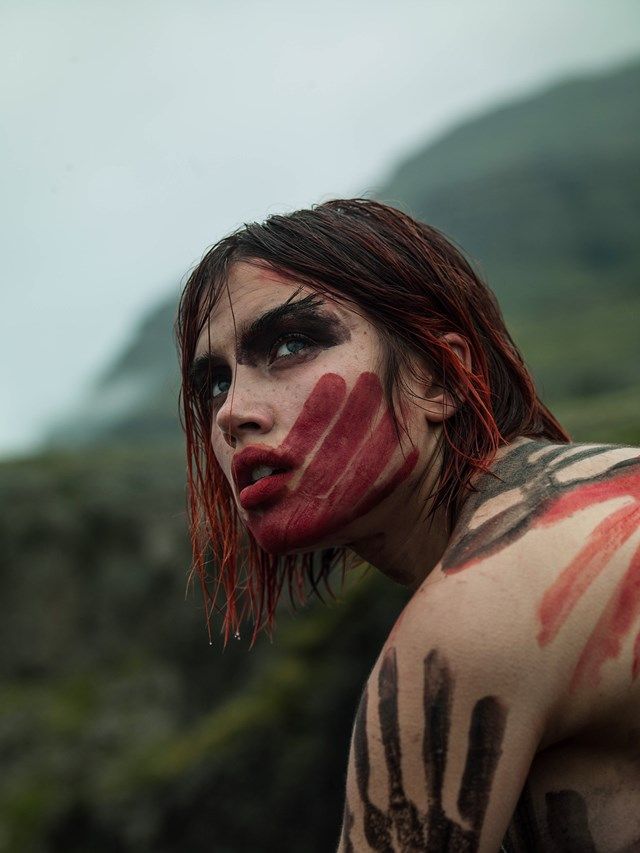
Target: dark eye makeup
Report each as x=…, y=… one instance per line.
x=222, y=375
x=285, y=339
x=303, y=322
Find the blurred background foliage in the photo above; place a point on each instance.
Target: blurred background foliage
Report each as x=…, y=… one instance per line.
x=122, y=729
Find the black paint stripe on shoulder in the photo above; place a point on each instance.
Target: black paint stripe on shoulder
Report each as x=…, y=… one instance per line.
x=587, y=453
x=511, y=524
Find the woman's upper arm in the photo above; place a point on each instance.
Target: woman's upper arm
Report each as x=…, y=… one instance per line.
x=442, y=742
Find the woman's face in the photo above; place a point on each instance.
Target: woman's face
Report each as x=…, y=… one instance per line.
x=300, y=425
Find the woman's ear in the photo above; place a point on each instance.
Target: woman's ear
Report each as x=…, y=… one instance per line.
x=439, y=404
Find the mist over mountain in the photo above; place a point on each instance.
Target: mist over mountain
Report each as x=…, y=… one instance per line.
x=543, y=195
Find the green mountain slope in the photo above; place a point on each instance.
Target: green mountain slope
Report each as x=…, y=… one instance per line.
x=594, y=113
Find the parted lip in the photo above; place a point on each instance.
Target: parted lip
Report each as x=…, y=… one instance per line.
x=252, y=457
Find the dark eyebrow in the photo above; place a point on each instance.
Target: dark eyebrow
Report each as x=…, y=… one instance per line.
x=250, y=335
x=303, y=309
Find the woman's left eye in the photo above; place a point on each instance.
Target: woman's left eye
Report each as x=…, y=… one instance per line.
x=289, y=346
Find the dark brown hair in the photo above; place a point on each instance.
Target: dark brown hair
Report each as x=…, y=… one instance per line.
x=414, y=285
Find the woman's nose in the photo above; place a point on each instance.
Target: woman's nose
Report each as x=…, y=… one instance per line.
x=244, y=414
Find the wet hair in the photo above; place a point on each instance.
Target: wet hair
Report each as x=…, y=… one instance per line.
x=414, y=286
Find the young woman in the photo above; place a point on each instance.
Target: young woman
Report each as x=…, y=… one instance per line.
x=349, y=386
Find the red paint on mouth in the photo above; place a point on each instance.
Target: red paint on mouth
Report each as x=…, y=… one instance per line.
x=258, y=456
x=267, y=489
x=347, y=475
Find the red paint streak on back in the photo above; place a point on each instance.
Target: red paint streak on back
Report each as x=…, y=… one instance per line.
x=588, y=495
x=617, y=619
x=318, y=411
x=560, y=599
x=635, y=667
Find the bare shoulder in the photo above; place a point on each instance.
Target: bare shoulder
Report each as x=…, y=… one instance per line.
x=537, y=487
x=524, y=638
x=558, y=542
x=559, y=532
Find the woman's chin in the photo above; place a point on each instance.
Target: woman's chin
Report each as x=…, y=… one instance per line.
x=282, y=546
x=281, y=542
x=281, y=530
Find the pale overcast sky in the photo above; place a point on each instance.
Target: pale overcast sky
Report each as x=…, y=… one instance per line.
x=135, y=134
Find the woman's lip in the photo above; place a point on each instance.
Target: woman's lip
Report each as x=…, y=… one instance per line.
x=267, y=488
x=257, y=456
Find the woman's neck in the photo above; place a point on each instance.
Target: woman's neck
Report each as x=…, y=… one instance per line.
x=409, y=547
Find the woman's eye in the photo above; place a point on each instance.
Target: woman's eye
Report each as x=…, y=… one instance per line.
x=290, y=346
x=219, y=386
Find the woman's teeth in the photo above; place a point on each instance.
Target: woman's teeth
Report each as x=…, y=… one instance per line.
x=260, y=472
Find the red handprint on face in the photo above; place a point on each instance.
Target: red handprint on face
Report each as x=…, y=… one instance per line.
x=346, y=445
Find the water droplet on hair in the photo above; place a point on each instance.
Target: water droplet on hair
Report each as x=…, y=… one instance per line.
x=237, y=635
